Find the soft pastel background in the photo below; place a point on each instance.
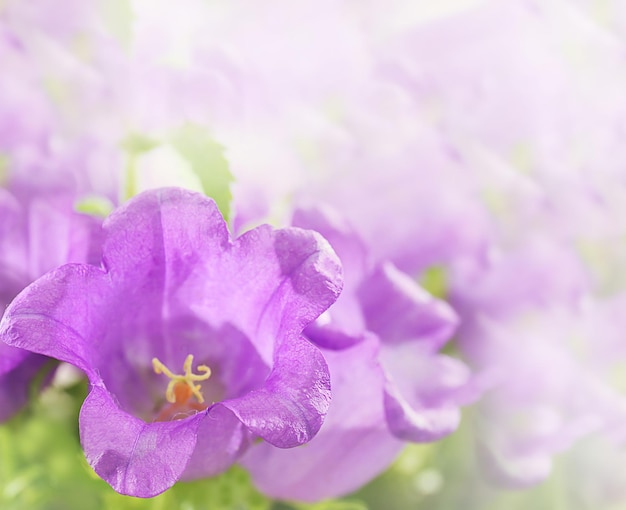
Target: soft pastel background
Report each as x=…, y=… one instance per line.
x=476, y=144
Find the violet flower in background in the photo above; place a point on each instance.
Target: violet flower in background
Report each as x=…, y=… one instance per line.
x=58, y=73
x=542, y=344
x=411, y=325
x=38, y=232
x=50, y=159
x=175, y=291
x=466, y=196
x=390, y=384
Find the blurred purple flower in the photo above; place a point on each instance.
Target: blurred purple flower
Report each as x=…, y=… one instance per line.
x=531, y=327
x=390, y=385
x=18, y=368
x=174, y=288
x=57, y=73
x=38, y=232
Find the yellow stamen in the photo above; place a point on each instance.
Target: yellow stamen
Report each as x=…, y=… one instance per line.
x=187, y=378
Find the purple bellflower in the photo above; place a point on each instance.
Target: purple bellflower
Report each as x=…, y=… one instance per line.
x=411, y=326
x=49, y=87
x=390, y=384
x=38, y=231
x=192, y=341
x=534, y=346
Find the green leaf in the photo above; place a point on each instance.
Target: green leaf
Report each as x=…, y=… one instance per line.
x=4, y=169
x=206, y=157
x=333, y=504
x=435, y=281
x=196, y=147
x=94, y=206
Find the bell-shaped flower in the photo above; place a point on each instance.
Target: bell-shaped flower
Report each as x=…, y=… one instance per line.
x=390, y=384
x=192, y=341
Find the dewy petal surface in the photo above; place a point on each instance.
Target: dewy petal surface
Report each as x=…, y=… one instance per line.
x=174, y=283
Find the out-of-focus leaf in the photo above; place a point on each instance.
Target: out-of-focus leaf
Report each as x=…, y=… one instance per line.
x=435, y=281
x=206, y=157
x=189, y=153
x=95, y=206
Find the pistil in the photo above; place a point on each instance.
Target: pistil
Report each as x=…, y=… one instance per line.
x=182, y=387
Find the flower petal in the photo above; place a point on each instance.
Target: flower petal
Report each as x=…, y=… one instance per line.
x=221, y=440
x=343, y=325
x=397, y=310
x=299, y=279
x=289, y=409
x=353, y=446
x=135, y=458
x=513, y=471
x=60, y=315
x=169, y=229
x=170, y=249
x=17, y=370
x=423, y=393
x=342, y=237
x=420, y=425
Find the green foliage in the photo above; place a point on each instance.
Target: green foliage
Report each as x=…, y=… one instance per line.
x=435, y=281
x=335, y=504
x=206, y=157
x=196, y=146
x=118, y=16
x=134, y=146
x=95, y=206
x=4, y=169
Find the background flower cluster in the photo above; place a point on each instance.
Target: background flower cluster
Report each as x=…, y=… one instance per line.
x=455, y=168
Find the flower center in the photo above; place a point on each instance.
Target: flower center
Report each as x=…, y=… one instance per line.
x=182, y=387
